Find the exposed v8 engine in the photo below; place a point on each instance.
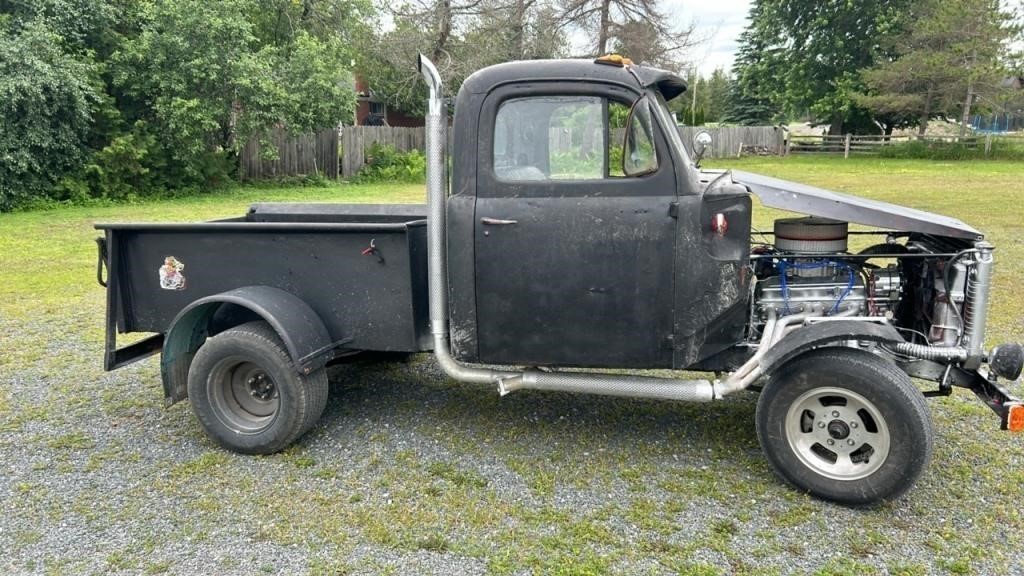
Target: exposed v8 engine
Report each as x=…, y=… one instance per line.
x=805, y=272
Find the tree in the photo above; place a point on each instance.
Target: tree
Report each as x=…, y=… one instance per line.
x=505, y=30
x=48, y=97
x=704, y=100
x=756, y=93
x=313, y=87
x=980, y=43
x=194, y=77
x=279, y=22
x=815, y=49
x=715, y=95
x=80, y=25
x=460, y=37
x=641, y=41
x=207, y=76
x=640, y=25
x=950, y=55
x=831, y=42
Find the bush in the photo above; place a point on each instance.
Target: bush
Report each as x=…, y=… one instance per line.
x=386, y=164
x=1002, y=149
x=127, y=167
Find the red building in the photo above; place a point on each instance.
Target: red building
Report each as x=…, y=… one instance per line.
x=372, y=111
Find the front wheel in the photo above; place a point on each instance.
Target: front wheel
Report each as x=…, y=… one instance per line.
x=248, y=396
x=845, y=425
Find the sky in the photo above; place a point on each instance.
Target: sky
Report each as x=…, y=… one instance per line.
x=720, y=21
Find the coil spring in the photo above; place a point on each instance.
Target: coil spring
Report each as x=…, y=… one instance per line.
x=970, y=305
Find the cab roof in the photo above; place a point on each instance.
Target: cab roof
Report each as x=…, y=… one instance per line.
x=669, y=84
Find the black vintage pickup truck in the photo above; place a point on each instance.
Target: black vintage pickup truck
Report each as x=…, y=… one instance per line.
x=578, y=234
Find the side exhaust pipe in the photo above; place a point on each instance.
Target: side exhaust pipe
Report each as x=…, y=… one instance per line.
x=609, y=385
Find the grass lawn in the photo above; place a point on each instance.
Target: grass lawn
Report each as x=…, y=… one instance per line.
x=410, y=473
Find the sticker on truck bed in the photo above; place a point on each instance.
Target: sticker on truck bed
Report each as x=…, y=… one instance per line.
x=171, y=277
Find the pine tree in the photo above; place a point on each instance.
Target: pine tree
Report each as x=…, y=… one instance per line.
x=754, y=92
x=947, y=57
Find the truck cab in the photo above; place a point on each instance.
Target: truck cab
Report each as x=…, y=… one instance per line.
x=578, y=226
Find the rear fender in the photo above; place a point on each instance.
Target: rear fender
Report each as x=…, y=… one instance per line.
x=303, y=333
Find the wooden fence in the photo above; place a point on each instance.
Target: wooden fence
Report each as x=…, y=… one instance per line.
x=733, y=141
x=356, y=140
x=281, y=154
x=341, y=152
x=848, y=144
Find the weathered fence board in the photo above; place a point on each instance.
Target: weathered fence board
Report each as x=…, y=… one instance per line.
x=282, y=154
x=731, y=141
x=852, y=143
x=356, y=140
x=341, y=152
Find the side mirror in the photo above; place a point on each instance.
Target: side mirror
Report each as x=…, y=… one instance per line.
x=701, y=141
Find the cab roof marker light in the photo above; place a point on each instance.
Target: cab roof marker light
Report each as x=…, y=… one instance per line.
x=613, y=60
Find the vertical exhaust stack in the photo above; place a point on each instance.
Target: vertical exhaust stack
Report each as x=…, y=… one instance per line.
x=437, y=195
x=437, y=191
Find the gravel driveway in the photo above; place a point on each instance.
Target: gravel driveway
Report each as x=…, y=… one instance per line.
x=409, y=473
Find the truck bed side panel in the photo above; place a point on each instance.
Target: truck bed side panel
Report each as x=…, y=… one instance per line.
x=374, y=300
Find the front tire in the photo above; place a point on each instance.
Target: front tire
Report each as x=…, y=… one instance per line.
x=845, y=425
x=248, y=396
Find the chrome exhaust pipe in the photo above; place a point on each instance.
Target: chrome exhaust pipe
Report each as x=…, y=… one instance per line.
x=610, y=385
x=437, y=192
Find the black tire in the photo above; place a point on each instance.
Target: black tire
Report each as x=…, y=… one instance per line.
x=801, y=434
x=247, y=394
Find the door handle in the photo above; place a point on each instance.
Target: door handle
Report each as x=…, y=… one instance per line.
x=497, y=222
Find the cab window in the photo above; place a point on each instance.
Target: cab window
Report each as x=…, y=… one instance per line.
x=571, y=138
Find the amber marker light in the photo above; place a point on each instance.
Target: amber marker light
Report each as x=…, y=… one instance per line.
x=1015, y=418
x=614, y=60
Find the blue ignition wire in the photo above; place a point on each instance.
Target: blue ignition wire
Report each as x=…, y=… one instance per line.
x=785, y=289
x=783, y=265
x=849, y=287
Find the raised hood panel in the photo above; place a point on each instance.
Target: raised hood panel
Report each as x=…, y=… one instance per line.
x=812, y=201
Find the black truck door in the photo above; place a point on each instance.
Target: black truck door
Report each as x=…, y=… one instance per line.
x=574, y=230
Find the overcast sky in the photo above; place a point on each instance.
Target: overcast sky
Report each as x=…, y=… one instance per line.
x=720, y=21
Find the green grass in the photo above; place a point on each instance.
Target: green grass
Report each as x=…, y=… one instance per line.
x=528, y=478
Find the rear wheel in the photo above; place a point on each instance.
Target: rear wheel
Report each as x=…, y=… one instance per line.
x=845, y=425
x=248, y=396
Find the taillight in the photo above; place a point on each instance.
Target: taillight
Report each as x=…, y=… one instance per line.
x=719, y=225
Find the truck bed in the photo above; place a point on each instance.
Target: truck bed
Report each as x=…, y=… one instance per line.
x=361, y=267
